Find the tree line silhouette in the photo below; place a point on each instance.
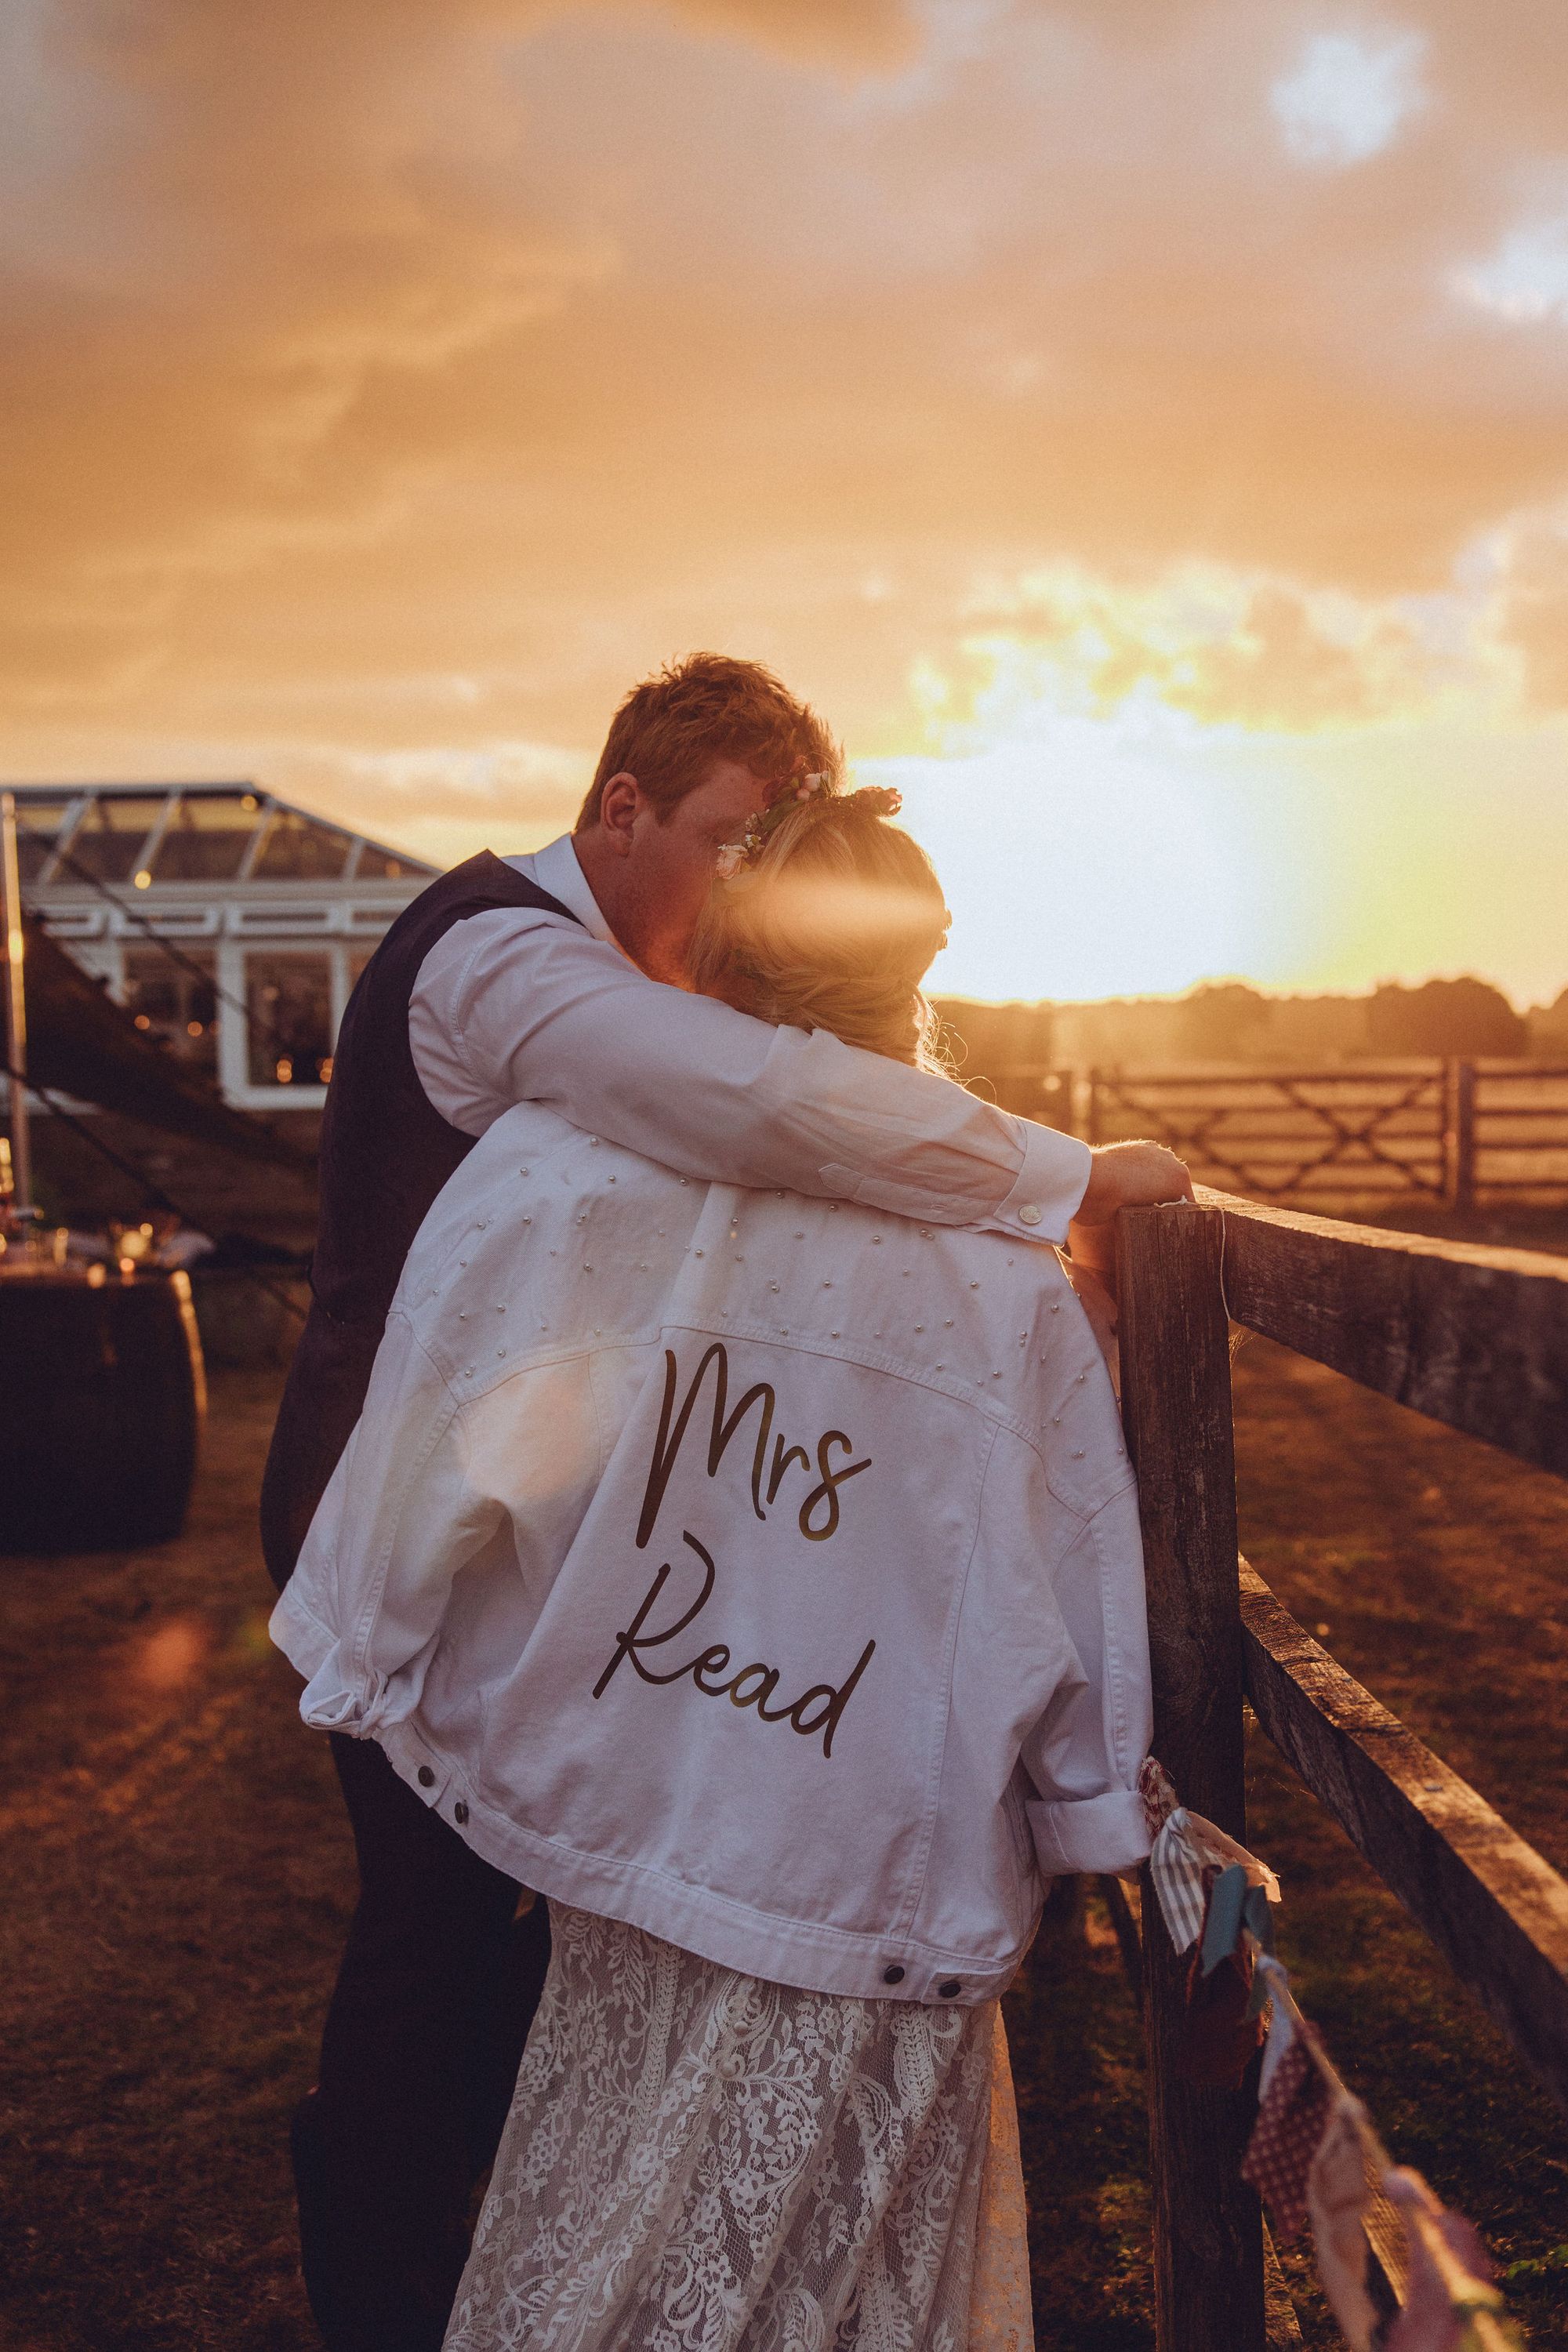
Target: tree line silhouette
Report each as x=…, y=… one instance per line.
x=1231, y=1020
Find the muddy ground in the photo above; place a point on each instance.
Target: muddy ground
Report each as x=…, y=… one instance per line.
x=178, y=1877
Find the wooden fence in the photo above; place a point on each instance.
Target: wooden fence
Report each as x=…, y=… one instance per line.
x=1357, y=1136
x=1474, y=1337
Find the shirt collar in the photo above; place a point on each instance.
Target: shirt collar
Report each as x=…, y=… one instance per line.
x=555, y=868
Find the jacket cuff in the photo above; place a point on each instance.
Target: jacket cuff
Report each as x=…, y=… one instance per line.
x=1050, y=1186
x=304, y=1641
x=1101, y=1835
x=326, y=1704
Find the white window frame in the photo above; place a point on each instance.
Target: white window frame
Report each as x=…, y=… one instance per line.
x=232, y=1042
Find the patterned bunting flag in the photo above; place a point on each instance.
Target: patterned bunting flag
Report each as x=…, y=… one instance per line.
x=1286, y=2136
x=1186, y=1847
x=1158, y=1792
x=1178, y=1877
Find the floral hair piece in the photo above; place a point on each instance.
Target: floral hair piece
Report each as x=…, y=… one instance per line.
x=876, y=800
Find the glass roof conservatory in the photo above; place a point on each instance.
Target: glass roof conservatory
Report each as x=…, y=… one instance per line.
x=228, y=922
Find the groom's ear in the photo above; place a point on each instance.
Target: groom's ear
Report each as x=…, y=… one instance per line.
x=619, y=805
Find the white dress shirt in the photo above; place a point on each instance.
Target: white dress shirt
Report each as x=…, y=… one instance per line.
x=821, y=1677
x=555, y=868
x=518, y=1005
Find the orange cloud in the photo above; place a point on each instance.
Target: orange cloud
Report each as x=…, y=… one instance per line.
x=392, y=382
x=1534, y=619
x=1259, y=655
x=1281, y=671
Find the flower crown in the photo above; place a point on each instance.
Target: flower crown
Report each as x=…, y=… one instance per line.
x=874, y=800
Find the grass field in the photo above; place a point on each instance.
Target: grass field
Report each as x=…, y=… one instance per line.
x=179, y=1875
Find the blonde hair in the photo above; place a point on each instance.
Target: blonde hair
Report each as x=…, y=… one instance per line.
x=832, y=926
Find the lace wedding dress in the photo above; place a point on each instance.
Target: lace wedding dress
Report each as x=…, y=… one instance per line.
x=697, y=2161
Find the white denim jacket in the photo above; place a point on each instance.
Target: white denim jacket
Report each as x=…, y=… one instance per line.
x=761, y=1571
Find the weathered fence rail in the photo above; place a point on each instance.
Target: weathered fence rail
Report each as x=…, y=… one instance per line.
x=1496, y=1911
x=1474, y=1337
x=1357, y=1135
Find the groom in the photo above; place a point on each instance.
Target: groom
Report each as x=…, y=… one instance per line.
x=534, y=978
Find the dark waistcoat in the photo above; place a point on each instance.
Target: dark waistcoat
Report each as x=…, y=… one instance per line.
x=386, y=1153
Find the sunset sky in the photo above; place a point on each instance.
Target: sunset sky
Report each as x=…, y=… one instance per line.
x=1140, y=426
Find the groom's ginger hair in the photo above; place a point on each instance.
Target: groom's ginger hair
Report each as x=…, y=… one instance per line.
x=670, y=730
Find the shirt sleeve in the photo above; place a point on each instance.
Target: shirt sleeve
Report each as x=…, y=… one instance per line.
x=520, y=1005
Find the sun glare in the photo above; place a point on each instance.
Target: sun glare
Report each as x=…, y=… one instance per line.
x=1087, y=865
x=1145, y=852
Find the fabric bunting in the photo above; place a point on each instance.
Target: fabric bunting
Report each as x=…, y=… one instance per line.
x=1220, y=2030
x=1338, y=2191
x=1347, y=2177
x=1178, y=1877
x=1235, y=1903
x=1286, y=2136
x=1222, y=1926
x=1221, y=2026
x=1188, y=1845
x=1158, y=1791
x=1450, y=2281
x=1313, y=2154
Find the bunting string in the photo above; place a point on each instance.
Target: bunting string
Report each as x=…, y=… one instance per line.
x=1314, y=2157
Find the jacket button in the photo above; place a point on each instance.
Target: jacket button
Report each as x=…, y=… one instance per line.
x=949, y=1988
x=894, y=1975
x=1030, y=1213
x=427, y=1777
x=459, y=1812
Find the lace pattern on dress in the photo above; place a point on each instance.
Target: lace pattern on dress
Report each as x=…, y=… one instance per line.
x=697, y=2161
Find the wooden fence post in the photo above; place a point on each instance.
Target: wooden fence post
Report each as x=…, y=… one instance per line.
x=1175, y=1397
x=1063, y=1086
x=1459, y=1134
x=1091, y=1134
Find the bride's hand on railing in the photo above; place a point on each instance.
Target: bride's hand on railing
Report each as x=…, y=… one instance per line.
x=1132, y=1176
x=1125, y=1176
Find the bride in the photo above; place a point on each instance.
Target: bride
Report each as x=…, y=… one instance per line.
x=758, y=1578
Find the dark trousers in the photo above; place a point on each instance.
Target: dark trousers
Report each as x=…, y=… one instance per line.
x=437, y=1988
x=438, y=1985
